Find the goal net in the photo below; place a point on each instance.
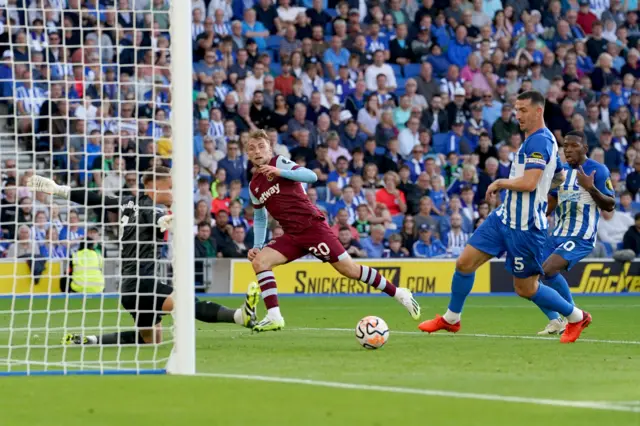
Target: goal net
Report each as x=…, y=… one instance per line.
x=91, y=93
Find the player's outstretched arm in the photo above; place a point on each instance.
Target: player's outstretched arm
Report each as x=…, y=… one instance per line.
x=289, y=170
x=80, y=196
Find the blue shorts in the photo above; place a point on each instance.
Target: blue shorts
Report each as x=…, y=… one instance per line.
x=571, y=249
x=525, y=249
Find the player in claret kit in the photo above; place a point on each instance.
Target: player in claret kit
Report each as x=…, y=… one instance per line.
x=276, y=187
x=518, y=227
x=143, y=221
x=577, y=203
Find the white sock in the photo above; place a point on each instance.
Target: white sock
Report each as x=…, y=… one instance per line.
x=451, y=317
x=237, y=317
x=575, y=316
x=274, y=313
x=93, y=340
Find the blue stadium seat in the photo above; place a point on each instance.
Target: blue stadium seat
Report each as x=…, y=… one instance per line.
x=440, y=143
x=401, y=82
x=390, y=232
x=608, y=248
x=635, y=206
x=397, y=220
x=328, y=36
x=274, y=54
x=400, y=91
x=276, y=68
x=397, y=70
x=332, y=12
x=244, y=194
x=273, y=42
x=411, y=70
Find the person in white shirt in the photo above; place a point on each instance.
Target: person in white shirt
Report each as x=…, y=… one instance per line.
x=409, y=137
x=379, y=67
x=255, y=81
x=287, y=13
x=613, y=226
x=225, y=5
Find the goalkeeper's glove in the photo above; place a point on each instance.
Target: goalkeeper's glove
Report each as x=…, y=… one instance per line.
x=48, y=186
x=166, y=223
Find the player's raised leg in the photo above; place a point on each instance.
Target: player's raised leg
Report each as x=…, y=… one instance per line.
x=485, y=243
x=370, y=276
x=263, y=262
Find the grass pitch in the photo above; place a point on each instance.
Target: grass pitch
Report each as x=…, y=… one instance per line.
x=495, y=372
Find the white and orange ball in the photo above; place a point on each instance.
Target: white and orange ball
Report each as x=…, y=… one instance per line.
x=372, y=332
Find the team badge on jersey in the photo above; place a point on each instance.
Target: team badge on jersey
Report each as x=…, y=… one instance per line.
x=269, y=178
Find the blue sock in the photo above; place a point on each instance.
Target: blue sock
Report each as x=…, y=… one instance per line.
x=460, y=288
x=552, y=315
x=548, y=298
x=559, y=283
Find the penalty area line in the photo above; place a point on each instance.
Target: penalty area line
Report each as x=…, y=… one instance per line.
x=593, y=405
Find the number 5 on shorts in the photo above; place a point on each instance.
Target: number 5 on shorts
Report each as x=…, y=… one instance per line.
x=517, y=264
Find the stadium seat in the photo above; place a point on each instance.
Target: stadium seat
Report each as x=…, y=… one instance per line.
x=401, y=82
x=331, y=12
x=397, y=220
x=328, y=37
x=411, y=70
x=440, y=143
x=273, y=42
x=608, y=248
x=397, y=70
x=245, y=195
x=276, y=68
x=400, y=91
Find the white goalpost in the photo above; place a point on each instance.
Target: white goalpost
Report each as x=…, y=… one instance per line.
x=92, y=98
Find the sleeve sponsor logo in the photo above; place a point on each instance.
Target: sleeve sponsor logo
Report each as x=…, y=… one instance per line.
x=608, y=184
x=536, y=158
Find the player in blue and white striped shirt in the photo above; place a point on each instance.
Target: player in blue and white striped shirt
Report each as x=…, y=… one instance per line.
x=577, y=204
x=518, y=227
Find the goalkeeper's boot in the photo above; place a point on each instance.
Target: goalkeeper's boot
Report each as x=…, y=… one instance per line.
x=405, y=297
x=573, y=330
x=269, y=324
x=48, y=186
x=249, y=307
x=555, y=326
x=437, y=324
x=74, y=339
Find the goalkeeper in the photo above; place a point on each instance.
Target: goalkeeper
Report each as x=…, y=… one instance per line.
x=143, y=224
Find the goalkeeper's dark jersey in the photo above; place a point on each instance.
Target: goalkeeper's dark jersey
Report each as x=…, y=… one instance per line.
x=140, y=235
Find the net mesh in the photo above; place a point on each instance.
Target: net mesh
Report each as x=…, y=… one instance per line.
x=85, y=99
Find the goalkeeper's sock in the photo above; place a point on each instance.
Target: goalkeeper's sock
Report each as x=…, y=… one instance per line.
x=121, y=338
x=559, y=283
x=212, y=312
x=269, y=292
x=372, y=277
x=461, y=286
x=548, y=298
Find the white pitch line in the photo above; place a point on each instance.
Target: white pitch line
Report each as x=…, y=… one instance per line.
x=531, y=306
x=449, y=335
x=594, y=405
x=490, y=336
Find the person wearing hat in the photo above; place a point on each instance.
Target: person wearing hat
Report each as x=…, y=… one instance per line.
x=457, y=109
x=428, y=246
x=455, y=140
x=395, y=250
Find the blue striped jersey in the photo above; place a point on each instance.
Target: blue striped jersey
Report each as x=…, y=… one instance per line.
x=577, y=214
x=527, y=210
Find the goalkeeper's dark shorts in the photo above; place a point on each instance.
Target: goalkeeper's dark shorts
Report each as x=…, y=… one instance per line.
x=143, y=299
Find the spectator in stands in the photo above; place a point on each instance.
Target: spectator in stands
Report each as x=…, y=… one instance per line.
x=298, y=124
x=427, y=245
x=233, y=164
x=237, y=248
x=459, y=50
x=504, y=126
x=612, y=157
x=379, y=67
x=25, y=246
x=395, y=250
x=612, y=228
x=221, y=202
x=9, y=209
x=631, y=239
x=390, y=196
x=351, y=245
x=204, y=247
x=374, y=245
x=202, y=214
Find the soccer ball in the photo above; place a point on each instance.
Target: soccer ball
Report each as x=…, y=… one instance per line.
x=372, y=332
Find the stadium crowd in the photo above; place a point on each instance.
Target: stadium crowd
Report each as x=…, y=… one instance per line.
x=403, y=109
